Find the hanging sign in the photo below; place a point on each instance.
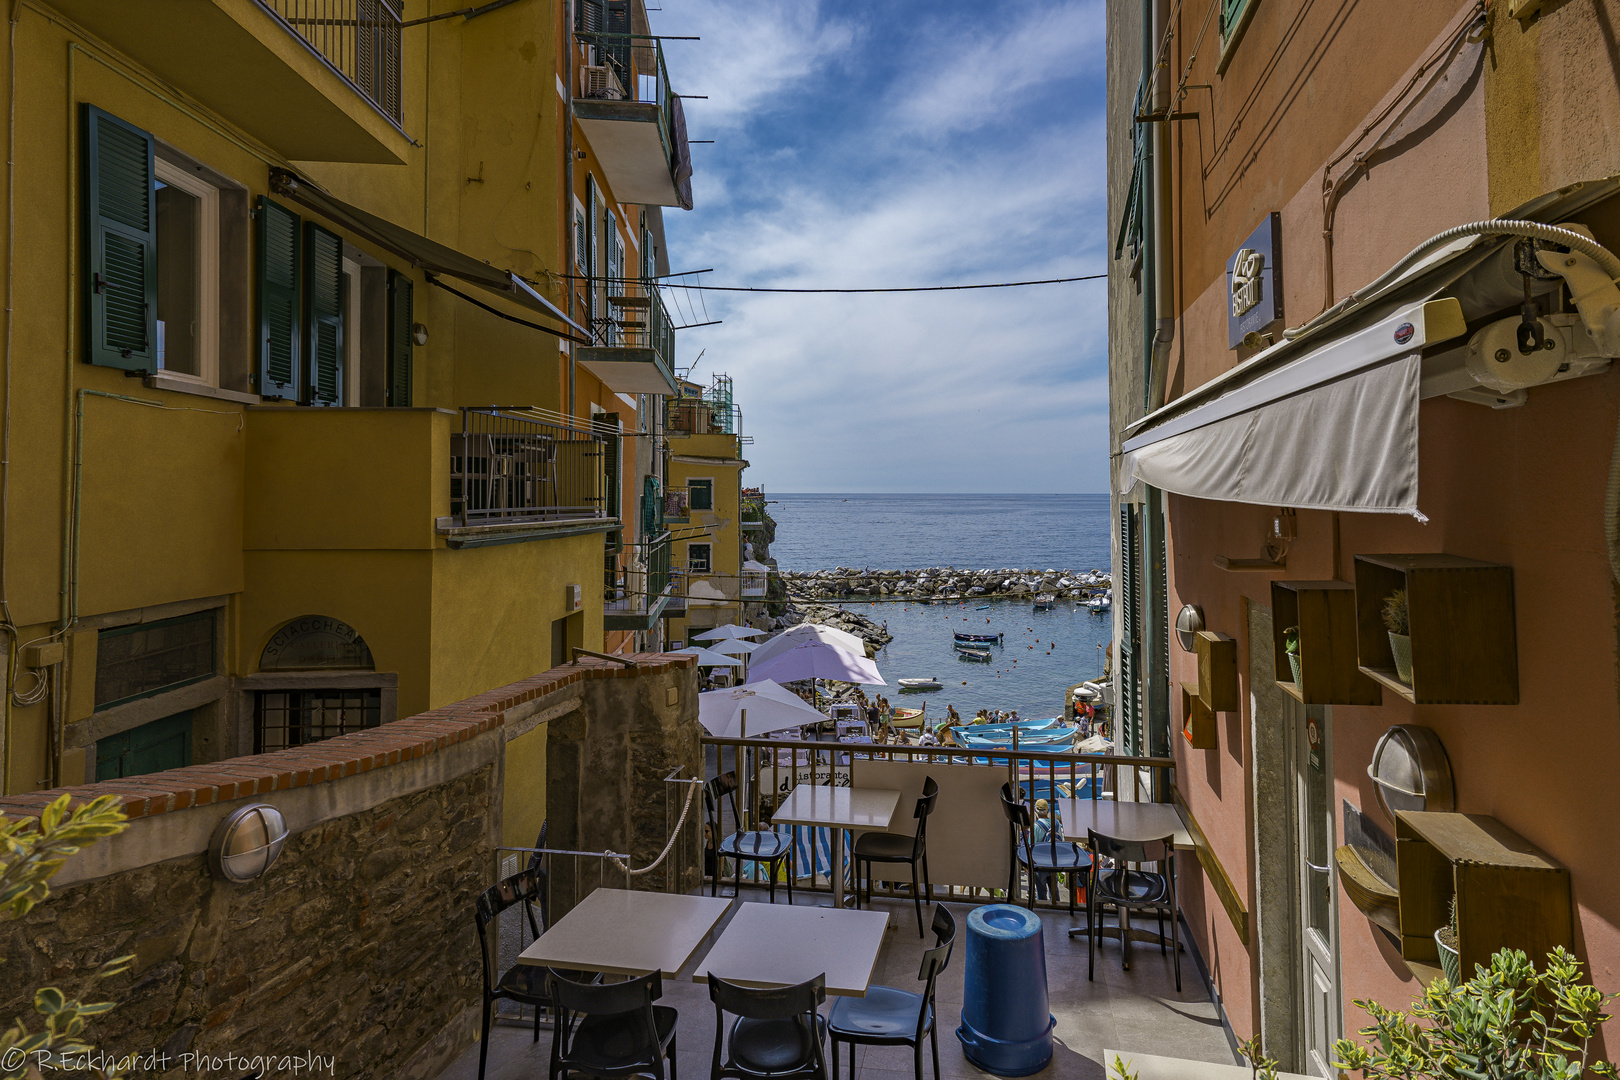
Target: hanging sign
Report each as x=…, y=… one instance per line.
x=1313, y=736
x=1254, y=283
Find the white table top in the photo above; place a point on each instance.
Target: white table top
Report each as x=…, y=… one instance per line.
x=838, y=807
x=1123, y=820
x=781, y=945
x=628, y=933
x=1154, y=1067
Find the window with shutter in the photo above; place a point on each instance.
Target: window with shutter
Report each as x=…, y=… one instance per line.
x=592, y=248
x=120, y=237
x=1129, y=707
x=280, y=348
x=399, y=339
x=323, y=315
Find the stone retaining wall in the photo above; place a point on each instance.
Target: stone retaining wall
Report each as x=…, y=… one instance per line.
x=359, y=942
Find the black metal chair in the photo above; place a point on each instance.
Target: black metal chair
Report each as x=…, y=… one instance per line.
x=523, y=983
x=1050, y=856
x=778, y=1032
x=744, y=845
x=611, y=1030
x=1129, y=889
x=882, y=847
x=890, y=1017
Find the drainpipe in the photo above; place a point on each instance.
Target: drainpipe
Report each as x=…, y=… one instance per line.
x=571, y=52
x=1164, y=323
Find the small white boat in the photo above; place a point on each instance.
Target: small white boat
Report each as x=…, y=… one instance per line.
x=920, y=684
x=1100, y=602
x=1045, y=602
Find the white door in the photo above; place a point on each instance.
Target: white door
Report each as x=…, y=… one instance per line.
x=1319, y=945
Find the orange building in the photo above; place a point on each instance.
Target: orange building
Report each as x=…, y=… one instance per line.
x=1362, y=317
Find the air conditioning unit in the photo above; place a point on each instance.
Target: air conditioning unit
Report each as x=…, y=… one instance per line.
x=600, y=82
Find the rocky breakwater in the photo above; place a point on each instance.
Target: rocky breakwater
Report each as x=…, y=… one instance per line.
x=868, y=630
x=939, y=583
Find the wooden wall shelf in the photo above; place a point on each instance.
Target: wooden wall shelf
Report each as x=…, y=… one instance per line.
x=1510, y=894
x=1372, y=895
x=1197, y=721
x=1464, y=647
x=1217, y=671
x=1325, y=612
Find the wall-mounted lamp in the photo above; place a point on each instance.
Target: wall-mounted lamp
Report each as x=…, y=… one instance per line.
x=419, y=333
x=1189, y=620
x=246, y=842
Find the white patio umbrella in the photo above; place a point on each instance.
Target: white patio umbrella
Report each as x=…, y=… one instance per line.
x=730, y=631
x=736, y=647
x=769, y=707
x=828, y=635
x=814, y=659
x=710, y=658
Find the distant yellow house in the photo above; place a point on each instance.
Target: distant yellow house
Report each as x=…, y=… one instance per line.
x=704, y=513
x=336, y=369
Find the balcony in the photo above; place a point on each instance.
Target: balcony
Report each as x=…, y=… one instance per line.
x=638, y=594
x=512, y=469
x=316, y=80
x=635, y=339
x=635, y=125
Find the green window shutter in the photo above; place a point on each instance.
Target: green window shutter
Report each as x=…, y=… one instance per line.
x=399, y=339
x=280, y=345
x=323, y=314
x=120, y=238
x=1128, y=708
x=592, y=248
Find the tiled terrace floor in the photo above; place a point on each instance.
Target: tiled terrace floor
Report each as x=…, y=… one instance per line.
x=1137, y=1010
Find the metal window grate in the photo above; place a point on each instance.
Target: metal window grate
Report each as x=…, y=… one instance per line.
x=286, y=718
x=149, y=658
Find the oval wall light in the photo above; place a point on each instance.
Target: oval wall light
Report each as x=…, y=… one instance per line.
x=1189, y=620
x=246, y=842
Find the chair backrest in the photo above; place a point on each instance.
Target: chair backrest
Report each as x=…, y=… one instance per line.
x=721, y=787
x=934, y=961
x=631, y=1000
x=925, y=806
x=797, y=1003
x=1012, y=806
x=523, y=887
x=1129, y=851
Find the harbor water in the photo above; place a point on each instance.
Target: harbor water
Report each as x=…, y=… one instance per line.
x=1043, y=652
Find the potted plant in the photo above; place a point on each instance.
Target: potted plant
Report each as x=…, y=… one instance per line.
x=1291, y=646
x=1445, y=939
x=1509, y=1020
x=1400, y=634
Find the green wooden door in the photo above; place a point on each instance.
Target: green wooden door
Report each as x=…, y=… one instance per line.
x=162, y=744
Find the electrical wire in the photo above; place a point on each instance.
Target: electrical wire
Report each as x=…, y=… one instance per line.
x=889, y=289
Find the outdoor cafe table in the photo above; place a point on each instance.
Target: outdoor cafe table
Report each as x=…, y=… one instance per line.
x=837, y=808
x=1129, y=821
x=782, y=945
x=619, y=932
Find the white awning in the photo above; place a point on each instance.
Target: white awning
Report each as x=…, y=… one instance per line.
x=1334, y=429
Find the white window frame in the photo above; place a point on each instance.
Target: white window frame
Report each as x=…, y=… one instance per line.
x=207, y=196
x=700, y=480
x=708, y=547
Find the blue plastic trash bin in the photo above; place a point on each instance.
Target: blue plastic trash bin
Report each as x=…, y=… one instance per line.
x=1006, y=1018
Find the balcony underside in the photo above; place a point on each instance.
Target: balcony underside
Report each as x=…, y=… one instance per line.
x=618, y=616
x=523, y=532
x=628, y=139
x=242, y=62
x=628, y=370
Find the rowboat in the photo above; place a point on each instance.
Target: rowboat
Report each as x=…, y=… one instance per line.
x=978, y=656
x=989, y=638
x=919, y=684
x=982, y=607
x=1100, y=602
x=906, y=718
x=1045, y=602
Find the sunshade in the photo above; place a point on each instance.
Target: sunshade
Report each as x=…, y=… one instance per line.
x=736, y=647
x=809, y=632
x=728, y=632
x=814, y=659
x=709, y=658
x=770, y=707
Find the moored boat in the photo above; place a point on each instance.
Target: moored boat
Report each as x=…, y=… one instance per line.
x=994, y=639
x=919, y=684
x=1045, y=602
x=978, y=656
x=906, y=718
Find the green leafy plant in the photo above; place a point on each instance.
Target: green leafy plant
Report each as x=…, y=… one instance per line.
x=1448, y=933
x=1395, y=618
x=32, y=850
x=1508, y=1021
x=1259, y=1064
x=1291, y=640
x=1121, y=1070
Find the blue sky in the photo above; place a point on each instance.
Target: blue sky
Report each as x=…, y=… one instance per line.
x=900, y=143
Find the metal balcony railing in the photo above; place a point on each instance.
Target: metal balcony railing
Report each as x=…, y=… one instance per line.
x=511, y=465
x=359, y=39
x=620, y=65
x=639, y=586
x=698, y=416
x=631, y=315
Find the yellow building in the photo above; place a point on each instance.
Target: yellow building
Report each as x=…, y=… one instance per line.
x=331, y=382
x=703, y=510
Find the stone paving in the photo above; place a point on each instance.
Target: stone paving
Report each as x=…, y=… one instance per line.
x=1137, y=1010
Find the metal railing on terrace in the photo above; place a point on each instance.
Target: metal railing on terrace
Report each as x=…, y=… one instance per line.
x=359, y=39
x=638, y=587
x=700, y=416
x=777, y=766
x=622, y=66
x=632, y=316
x=510, y=465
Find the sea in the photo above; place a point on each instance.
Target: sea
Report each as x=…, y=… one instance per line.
x=1043, y=652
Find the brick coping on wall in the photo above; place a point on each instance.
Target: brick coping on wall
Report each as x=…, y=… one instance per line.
x=345, y=755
